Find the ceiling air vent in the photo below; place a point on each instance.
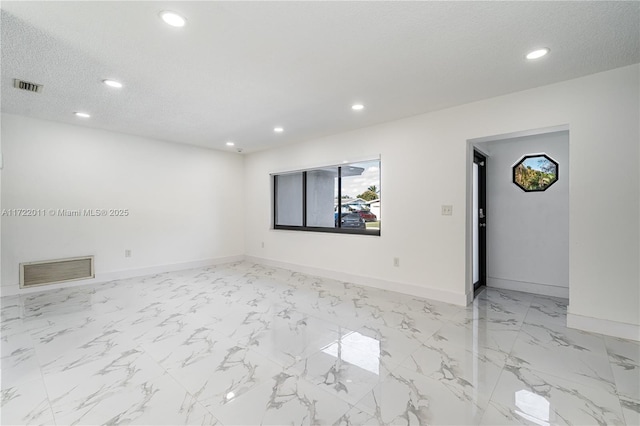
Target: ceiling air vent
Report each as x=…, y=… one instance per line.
x=25, y=85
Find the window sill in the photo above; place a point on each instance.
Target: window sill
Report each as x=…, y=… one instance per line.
x=370, y=232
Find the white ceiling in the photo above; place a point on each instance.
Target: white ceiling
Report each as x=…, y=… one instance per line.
x=237, y=69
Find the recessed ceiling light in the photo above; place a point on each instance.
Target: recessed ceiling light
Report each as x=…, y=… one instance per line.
x=82, y=114
x=112, y=83
x=357, y=107
x=538, y=53
x=173, y=19
x=230, y=143
x=278, y=129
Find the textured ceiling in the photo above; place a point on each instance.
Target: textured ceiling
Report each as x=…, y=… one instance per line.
x=237, y=69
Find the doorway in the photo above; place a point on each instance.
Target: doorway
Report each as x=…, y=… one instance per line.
x=479, y=225
x=524, y=246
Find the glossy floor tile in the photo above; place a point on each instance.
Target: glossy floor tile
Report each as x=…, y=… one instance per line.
x=245, y=344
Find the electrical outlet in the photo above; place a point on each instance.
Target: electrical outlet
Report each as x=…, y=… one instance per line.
x=263, y=244
x=127, y=253
x=396, y=262
x=447, y=210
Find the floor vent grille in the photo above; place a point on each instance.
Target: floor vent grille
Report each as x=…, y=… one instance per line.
x=56, y=271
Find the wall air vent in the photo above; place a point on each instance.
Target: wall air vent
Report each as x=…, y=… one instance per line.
x=56, y=271
x=25, y=85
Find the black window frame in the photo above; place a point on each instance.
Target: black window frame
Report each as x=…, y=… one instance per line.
x=525, y=158
x=304, y=227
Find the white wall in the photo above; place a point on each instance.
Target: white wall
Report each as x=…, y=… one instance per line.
x=425, y=159
x=528, y=232
x=185, y=202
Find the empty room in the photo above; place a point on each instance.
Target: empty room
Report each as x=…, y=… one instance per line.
x=320, y=213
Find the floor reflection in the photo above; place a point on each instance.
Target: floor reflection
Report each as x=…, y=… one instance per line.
x=532, y=407
x=357, y=349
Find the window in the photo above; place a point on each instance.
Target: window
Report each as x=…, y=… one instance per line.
x=535, y=172
x=343, y=199
x=288, y=211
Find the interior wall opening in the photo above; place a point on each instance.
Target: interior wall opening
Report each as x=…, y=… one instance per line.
x=526, y=216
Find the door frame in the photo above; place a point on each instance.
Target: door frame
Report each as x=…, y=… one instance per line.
x=481, y=159
x=472, y=144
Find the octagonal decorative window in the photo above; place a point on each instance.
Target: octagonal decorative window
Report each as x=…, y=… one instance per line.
x=535, y=172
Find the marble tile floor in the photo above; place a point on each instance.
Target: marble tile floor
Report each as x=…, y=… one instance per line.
x=245, y=344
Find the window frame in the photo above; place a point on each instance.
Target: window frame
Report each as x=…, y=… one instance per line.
x=528, y=156
x=304, y=227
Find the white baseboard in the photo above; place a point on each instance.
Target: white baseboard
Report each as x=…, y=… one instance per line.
x=12, y=290
x=406, y=288
x=602, y=326
x=535, y=288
